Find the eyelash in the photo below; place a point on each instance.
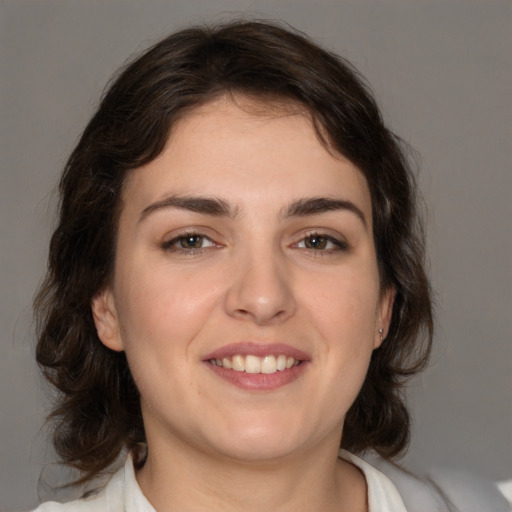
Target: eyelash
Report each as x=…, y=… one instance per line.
x=337, y=244
x=172, y=245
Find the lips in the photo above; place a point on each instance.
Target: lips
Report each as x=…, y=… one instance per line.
x=257, y=366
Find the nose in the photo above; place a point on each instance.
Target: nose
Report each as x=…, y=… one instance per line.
x=261, y=290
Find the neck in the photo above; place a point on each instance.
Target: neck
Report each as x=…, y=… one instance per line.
x=175, y=479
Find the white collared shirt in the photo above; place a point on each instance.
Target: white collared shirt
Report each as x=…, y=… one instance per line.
x=123, y=494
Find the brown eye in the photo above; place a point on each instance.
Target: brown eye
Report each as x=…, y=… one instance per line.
x=191, y=241
x=315, y=242
x=188, y=243
x=322, y=243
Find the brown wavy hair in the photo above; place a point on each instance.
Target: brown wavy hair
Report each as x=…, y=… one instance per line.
x=97, y=410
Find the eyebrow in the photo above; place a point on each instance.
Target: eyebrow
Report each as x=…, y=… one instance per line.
x=219, y=208
x=204, y=205
x=317, y=205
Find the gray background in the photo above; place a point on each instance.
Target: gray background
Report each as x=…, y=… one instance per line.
x=442, y=72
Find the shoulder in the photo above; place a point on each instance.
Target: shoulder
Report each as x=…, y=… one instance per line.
x=470, y=492
x=92, y=504
x=444, y=490
x=105, y=501
x=121, y=494
x=109, y=499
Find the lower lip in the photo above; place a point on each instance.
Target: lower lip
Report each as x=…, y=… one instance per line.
x=259, y=381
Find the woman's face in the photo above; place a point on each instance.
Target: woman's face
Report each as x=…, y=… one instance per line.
x=246, y=293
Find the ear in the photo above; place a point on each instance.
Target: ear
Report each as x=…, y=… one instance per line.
x=384, y=315
x=106, y=321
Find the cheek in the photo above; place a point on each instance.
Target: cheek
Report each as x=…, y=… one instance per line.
x=344, y=312
x=163, y=309
x=346, y=302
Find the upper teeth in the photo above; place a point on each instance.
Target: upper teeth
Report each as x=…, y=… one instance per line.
x=255, y=364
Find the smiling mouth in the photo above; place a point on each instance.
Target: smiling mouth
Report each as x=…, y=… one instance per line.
x=254, y=364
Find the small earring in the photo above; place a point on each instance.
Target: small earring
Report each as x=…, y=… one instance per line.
x=381, y=332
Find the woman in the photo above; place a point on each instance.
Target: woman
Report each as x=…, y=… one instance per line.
x=236, y=285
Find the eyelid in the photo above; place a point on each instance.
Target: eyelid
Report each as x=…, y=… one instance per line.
x=170, y=241
x=340, y=243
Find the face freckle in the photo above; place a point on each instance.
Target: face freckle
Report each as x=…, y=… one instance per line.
x=245, y=236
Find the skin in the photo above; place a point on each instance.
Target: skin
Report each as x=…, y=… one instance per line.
x=259, y=274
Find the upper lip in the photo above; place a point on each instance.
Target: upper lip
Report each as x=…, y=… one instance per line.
x=257, y=349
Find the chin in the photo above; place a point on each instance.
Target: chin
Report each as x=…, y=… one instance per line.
x=261, y=442
x=259, y=453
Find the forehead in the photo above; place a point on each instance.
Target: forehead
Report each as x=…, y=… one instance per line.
x=238, y=148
